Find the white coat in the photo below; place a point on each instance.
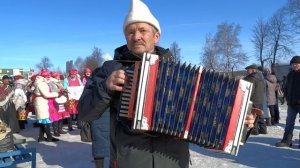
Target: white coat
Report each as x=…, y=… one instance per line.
x=42, y=93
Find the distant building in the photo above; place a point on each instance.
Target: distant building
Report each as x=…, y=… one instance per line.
x=11, y=72
x=69, y=65
x=281, y=70
x=16, y=71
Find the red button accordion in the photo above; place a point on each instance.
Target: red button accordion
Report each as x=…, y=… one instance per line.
x=191, y=103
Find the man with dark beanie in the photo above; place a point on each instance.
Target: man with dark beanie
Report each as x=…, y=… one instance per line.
x=292, y=95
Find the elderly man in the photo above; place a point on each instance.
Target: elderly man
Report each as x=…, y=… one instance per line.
x=292, y=95
x=132, y=149
x=257, y=96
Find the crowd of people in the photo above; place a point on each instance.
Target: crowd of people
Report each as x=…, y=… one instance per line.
x=44, y=95
x=265, y=96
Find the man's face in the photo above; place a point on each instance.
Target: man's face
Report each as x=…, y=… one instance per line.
x=296, y=66
x=141, y=37
x=5, y=81
x=249, y=71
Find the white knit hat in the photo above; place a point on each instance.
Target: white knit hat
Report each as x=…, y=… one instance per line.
x=139, y=12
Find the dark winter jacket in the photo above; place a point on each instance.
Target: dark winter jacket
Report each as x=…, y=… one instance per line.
x=258, y=90
x=100, y=136
x=292, y=88
x=128, y=148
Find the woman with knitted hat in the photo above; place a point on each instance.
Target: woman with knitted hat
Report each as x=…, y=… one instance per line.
x=40, y=97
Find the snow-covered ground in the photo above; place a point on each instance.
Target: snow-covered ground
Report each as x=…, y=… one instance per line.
x=259, y=151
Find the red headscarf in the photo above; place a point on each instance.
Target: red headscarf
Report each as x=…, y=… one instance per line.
x=73, y=72
x=55, y=74
x=44, y=73
x=86, y=70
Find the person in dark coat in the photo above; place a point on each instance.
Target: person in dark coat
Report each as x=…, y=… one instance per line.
x=257, y=96
x=132, y=149
x=100, y=139
x=99, y=132
x=292, y=95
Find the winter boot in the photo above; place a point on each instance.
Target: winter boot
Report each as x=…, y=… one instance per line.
x=41, y=134
x=286, y=141
x=263, y=130
x=268, y=122
x=99, y=163
x=22, y=124
x=48, y=133
x=55, y=129
x=70, y=127
x=60, y=125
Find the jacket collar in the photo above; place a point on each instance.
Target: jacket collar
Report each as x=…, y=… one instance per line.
x=122, y=53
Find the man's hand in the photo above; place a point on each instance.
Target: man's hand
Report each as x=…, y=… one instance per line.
x=116, y=81
x=250, y=118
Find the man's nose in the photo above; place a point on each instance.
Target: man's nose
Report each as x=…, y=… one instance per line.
x=137, y=35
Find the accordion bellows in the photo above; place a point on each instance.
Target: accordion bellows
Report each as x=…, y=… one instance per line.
x=192, y=103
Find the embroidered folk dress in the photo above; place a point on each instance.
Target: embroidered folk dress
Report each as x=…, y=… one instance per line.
x=71, y=105
x=59, y=103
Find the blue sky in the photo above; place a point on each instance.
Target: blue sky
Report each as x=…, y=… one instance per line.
x=66, y=29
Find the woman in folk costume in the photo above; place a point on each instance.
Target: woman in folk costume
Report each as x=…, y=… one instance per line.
x=40, y=97
x=57, y=86
x=71, y=105
x=53, y=110
x=20, y=99
x=29, y=93
x=86, y=75
x=8, y=113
